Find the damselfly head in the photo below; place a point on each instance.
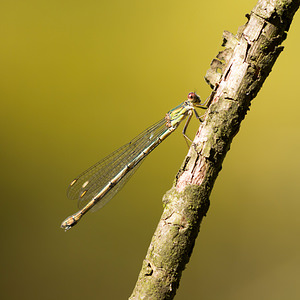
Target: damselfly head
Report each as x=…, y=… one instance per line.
x=194, y=98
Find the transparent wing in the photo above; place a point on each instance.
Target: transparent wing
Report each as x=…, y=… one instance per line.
x=90, y=182
x=113, y=191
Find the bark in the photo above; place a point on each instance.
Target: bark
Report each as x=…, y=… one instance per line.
x=236, y=75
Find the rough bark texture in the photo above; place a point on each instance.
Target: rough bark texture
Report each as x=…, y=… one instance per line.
x=236, y=75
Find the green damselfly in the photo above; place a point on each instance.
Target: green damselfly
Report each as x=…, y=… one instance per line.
x=98, y=184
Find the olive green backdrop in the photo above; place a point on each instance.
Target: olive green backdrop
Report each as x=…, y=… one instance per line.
x=81, y=78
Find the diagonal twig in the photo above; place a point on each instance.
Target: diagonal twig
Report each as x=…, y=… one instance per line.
x=237, y=74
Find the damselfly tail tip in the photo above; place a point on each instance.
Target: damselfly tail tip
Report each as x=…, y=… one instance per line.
x=69, y=222
x=66, y=228
x=64, y=225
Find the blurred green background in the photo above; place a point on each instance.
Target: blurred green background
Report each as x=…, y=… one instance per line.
x=81, y=78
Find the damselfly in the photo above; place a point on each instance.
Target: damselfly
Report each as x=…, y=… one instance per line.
x=98, y=184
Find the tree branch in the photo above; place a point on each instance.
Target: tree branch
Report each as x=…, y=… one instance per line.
x=244, y=64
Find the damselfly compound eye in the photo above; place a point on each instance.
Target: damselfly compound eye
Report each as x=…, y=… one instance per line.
x=191, y=96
